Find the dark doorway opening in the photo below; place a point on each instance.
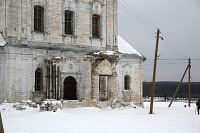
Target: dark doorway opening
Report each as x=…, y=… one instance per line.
x=70, y=88
x=104, y=84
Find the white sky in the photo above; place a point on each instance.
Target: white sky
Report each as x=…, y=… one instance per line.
x=179, y=22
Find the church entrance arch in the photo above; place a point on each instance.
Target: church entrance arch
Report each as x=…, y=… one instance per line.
x=104, y=80
x=70, y=88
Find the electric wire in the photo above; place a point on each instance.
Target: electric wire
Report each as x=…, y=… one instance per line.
x=131, y=21
x=145, y=22
x=137, y=13
x=130, y=14
x=146, y=25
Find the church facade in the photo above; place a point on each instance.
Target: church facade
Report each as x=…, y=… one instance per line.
x=66, y=49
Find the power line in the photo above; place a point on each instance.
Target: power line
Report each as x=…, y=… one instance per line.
x=148, y=26
x=175, y=59
x=139, y=21
x=173, y=63
x=138, y=14
x=143, y=22
x=131, y=21
x=174, y=46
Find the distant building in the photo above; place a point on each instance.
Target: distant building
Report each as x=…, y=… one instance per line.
x=66, y=49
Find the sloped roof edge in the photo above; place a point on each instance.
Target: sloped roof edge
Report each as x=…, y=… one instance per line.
x=125, y=48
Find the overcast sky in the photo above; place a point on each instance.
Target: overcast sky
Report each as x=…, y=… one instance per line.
x=179, y=22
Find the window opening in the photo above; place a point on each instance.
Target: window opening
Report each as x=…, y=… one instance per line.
x=38, y=80
x=69, y=22
x=38, y=18
x=96, y=26
x=126, y=82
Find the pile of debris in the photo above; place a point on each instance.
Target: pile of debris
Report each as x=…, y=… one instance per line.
x=46, y=105
x=22, y=106
x=128, y=104
x=51, y=105
x=19, y=106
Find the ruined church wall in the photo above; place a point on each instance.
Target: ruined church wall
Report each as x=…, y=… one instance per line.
x=18, y=76
x=20, y=22
x=132, y=68
x=18, y=65
x=3, y=73
x=2, y=15
x=75, y=65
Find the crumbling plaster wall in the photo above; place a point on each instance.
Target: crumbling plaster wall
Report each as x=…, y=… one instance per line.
x=3, y=73
x=20, y=19
x=2, y=16
x=18, y=65
x=132, y=68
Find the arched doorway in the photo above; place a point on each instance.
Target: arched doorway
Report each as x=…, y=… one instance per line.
x=70, y=88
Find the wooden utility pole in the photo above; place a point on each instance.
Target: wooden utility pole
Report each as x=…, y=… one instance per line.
x=1, y=125
x=178, y=86
x=154, y=71
x=189, y=98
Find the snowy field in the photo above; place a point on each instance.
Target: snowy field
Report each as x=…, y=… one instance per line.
x=176, y=119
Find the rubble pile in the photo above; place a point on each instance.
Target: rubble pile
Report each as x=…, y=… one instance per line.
x=22, y=105
x=50, y=105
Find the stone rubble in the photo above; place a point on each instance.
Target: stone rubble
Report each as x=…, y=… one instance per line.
x=51, y=105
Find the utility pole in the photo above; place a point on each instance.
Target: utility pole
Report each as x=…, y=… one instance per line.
x=154, y=71
x=189, y=98
x=178, y=86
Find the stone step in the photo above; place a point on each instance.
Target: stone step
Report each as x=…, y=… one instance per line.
x=77, y=103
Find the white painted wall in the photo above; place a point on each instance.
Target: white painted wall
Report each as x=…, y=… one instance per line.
x=133, y=68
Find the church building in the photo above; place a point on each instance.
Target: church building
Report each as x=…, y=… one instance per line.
x=66, y=49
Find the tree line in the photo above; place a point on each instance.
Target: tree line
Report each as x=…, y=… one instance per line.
x=167, y=89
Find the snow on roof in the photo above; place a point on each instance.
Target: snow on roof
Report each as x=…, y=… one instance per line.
x=2, y=41
x=125, y=48
x=108, y=52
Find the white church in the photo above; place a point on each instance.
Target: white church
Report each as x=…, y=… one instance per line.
x=67, y=49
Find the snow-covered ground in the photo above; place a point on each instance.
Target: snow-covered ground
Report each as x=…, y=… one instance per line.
x=177, y=119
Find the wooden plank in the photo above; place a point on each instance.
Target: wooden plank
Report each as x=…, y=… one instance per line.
x=52, y=81
x=58, y=82
x=48, y=81
x=55, y=86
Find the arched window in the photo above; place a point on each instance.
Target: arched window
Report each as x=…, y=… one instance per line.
x=38, y=18
x=96, y=26
x=69, y=22
x=127, y=82
x=38, y=79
